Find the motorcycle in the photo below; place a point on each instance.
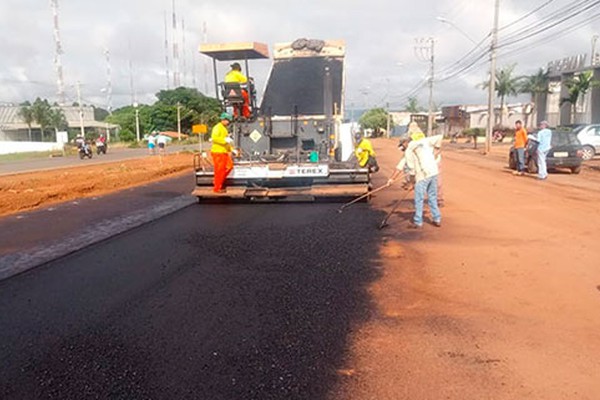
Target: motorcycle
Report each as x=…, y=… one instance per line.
x=85, y=151
x=100, y=147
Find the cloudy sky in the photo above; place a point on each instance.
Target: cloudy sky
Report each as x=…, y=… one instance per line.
x=380, y=36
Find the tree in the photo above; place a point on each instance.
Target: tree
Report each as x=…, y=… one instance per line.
x=578, y=87
x=41, y=111
x=57, y=119
x=535, y=85
x=26, y=114
x=506, y=85
x=375, y=119
x=412, y=106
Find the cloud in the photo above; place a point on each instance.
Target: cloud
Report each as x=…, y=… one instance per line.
x=380, y=35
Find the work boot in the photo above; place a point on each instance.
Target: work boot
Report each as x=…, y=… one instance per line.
x=437, y=224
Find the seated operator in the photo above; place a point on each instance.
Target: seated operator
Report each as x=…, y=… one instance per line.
x=236, y=76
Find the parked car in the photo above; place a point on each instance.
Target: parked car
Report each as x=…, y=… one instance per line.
x=566, y=152
x=589, y=136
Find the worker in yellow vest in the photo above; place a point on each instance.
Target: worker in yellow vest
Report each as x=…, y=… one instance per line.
x=222, y=147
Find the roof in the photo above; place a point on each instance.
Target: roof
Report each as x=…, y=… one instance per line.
x=10, y=118
x=235, y=51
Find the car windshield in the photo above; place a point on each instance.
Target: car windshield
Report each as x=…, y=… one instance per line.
x=579, y=129
x=562, y=138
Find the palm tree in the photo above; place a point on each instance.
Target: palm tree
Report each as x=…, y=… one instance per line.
x=412, y=106
x=26, y=114
x=535, y=85
x=41, y=111
x=506, y=85
x=57, y=119
x=578, y=87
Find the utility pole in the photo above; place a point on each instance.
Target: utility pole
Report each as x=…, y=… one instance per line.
x=81, y=127
x=57, y=55
x=183, y=53
x=425, y=52
x=593, y=58
x=137, y=121
x=492, y=83
x=387, y=129
x=178, y=121
x=108, y=90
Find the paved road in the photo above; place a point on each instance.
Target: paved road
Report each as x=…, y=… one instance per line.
x=60, y=162
x=231, y=301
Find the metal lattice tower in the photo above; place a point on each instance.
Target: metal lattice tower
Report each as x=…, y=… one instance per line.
x=183, y=53
x=205, y=41
x=57, y=55
x=167, y=73
x=108, y=82
x=176, y=78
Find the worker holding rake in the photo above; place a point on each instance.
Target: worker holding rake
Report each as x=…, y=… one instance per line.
x=420, y=160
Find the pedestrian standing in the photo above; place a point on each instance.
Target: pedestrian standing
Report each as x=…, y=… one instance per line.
x=162, y=144
x=221, y=152
x=151, y=144
x=544, y=138
x=520, y=146
x=420, y=158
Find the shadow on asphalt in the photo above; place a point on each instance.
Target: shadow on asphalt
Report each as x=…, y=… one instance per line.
x=244, y=301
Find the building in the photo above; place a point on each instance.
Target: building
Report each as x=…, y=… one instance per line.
x=13, y=128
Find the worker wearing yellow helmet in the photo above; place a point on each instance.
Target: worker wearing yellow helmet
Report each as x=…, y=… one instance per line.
x=364, y=153
x=221, y=152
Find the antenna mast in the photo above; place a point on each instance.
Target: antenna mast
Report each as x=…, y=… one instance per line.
x=57, y=55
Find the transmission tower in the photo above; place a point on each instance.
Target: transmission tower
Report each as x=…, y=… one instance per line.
x=57, y=55
x=108, y=82
x=183, y=53
x=176, y=79
x=167, y=73
x=205, y=41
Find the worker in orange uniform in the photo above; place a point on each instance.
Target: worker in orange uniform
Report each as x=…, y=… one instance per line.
x=221, y=152
x=520, y=146
x=236, y=76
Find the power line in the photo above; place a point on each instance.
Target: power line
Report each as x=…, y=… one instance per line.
x=556, y=19
x=529, y=14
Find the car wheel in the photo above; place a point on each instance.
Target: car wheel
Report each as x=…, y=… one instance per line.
x=532, y=166
x=588, y=153
x=512, y=162
x=576, y=170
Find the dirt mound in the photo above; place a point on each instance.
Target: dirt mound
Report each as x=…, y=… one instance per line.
x=28, y=191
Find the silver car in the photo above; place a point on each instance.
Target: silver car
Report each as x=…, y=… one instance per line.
x=589, y=136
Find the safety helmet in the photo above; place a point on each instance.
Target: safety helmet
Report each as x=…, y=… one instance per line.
x=226, y=116
x=358, y=136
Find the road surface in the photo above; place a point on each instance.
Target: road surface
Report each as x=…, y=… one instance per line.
x=295, y=301
x=112, y=155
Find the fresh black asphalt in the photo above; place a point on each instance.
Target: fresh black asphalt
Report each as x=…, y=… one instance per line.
x=229, y=301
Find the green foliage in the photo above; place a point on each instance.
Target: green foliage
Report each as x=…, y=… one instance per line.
x=474, y=132
x=578, y=87
x=506, y=85
x=535, y=84
x=126, y=135
x=375, y=118
x=195, y=108
x=100, y=114
x=26, y=114
x=57, y=119
x=42, y=114
x=412, y=106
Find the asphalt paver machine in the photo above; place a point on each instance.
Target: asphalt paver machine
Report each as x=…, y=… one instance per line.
x=290, y=145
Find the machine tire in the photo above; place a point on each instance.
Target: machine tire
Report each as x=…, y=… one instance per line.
x=532, y=166
x=576, y=170
x=588, y=152
x=512, y=161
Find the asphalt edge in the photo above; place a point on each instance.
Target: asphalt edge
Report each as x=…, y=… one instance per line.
x=17, y=263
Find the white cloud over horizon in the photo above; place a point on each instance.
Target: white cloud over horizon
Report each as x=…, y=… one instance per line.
x=379, y=36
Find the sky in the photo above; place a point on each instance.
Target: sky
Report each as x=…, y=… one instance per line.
x=381, y=64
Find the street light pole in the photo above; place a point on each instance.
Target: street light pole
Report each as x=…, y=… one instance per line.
x=137, y=121
x=81, y=126
x=492, y=83
x=593, y=58
x=452, y=24
x=178, y=121
x=425, y=51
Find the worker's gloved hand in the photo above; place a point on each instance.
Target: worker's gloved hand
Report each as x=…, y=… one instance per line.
x=235, y=152
x=390, y=182
x=228, y=140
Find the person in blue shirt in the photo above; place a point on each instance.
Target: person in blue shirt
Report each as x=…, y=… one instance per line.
x=544, y=137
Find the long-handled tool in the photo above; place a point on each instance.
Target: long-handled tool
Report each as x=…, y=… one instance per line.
x=359, y=198
x=384, y=223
